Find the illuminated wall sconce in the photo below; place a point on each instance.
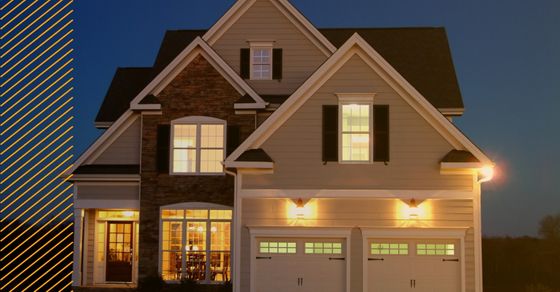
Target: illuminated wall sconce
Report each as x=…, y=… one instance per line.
x=413, y=211
x=300, y=209
x=485, y=173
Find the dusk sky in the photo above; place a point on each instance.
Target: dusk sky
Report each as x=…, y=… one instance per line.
x=506, y=54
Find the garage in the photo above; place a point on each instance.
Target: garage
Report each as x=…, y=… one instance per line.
x=300, y=264
x=422, y=265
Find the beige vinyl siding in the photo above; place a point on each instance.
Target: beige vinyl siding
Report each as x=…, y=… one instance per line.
x=264, y=22
x=108, y=192
x=125, y=149
x=416, y=148
x=367, y=213
x=90, y=242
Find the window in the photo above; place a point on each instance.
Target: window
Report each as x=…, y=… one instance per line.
x=323, y=248
x=261, y=63
x=198, y=145
x=194, y=241
x=389, y=248
x=356, y=132
x=277, y=247
x=435, y=249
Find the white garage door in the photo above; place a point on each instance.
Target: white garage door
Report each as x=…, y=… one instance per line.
x=414, y=265
x=309, y=264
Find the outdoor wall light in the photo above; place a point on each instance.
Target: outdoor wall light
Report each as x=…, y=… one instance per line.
x=485, y=173
x=413, y=211
x=300, y=209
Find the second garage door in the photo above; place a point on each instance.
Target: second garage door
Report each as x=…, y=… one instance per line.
x=415, y=265
x=296, y=264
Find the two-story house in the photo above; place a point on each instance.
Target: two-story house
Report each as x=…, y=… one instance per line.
x=283, y=157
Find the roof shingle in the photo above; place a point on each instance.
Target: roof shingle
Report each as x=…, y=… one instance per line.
x=421, y=55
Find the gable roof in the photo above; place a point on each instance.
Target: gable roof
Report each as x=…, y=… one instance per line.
x=195, y=48
x=298, y=19
x=357, y=45
x=421, y=55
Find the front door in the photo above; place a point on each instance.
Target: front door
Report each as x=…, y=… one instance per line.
x=119, y=252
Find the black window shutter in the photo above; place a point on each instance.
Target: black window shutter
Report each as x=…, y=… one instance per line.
x=381, y=133
x=330, y=133
x=163, y=132
x=276, y=63
x=233, y=138
x=244, y=70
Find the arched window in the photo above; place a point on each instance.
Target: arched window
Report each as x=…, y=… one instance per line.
x=195, y=242
x=197, y=145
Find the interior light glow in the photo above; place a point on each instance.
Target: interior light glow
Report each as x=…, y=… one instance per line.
x=128, y=213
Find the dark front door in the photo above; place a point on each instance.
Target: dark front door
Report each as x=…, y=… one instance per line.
x=119, y=252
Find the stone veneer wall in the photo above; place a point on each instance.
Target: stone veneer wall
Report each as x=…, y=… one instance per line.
x=199, y=90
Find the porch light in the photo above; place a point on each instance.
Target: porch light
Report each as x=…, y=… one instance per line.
x=485, y=173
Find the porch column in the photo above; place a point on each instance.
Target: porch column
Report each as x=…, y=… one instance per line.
x=77, y=256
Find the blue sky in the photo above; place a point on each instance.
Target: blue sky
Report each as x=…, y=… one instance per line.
x=506, y=53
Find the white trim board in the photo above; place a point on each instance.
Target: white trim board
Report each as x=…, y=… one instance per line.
x=284, y=6
x=356, y=45
x=107, y=204
x=355, y=194
x=197, y=47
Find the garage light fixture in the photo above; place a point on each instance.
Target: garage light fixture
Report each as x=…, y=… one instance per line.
x=413, y=211
x=300, y=209
x=485, y=173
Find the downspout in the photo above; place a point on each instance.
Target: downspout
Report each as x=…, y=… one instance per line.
x=235, y=271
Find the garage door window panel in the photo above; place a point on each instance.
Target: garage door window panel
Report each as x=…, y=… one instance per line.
x=333, y=248
x=277, y=247
x=384, y=248
x=435, y=249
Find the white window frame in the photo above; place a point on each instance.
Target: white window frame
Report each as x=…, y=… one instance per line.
x=195, y=206
x=359, y=99
x=260, y=45
x=198, y=121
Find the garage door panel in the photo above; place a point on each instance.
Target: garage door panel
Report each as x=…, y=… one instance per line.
x=417, y=265
x=301, y=264
x=324, y=273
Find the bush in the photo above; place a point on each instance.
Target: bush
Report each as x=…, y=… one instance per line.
x=151, y=283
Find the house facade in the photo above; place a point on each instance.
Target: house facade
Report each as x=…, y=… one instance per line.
x=277, y=156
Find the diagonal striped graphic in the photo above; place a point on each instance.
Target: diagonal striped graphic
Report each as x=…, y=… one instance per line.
x=36, y=206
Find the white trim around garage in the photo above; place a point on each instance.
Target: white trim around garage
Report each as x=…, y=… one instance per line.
x=353, y=193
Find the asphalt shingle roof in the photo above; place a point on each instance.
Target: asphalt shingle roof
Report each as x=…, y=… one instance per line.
x=421, y=55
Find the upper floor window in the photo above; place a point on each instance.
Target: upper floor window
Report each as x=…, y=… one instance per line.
x=356, y=132
x=356, y=127
x=261, y=63
x=197, y=145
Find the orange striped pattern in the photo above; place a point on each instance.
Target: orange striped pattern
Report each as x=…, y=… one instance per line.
x=36, y=208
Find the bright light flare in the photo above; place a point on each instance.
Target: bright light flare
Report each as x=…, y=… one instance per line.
x=301, y=210
x=485, y=173
x=414, y=210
